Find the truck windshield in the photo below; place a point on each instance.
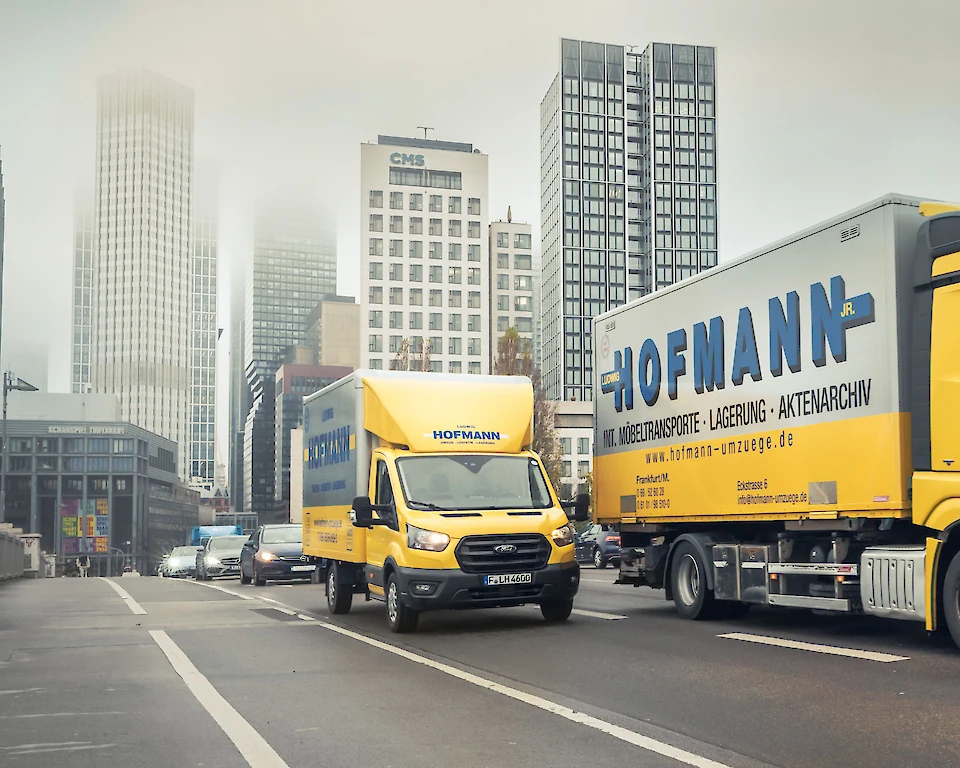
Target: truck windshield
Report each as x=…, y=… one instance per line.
x=473, y=482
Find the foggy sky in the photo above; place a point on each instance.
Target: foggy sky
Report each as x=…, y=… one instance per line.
x=821, y=106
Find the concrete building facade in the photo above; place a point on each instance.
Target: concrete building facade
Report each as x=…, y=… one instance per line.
x=333, y=330
x=514, y=285
x=574, y=426
x=424, y=254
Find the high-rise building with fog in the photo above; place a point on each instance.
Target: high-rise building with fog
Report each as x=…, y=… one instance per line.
x=84, y=235
x=628, y=189
x=424, y=255
x=204, y=335
x=143, y=209
x=294, y=265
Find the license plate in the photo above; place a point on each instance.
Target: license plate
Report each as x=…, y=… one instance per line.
x=508, y=578
x=302, y=568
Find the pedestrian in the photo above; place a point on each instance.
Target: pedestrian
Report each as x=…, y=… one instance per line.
x=83, y=564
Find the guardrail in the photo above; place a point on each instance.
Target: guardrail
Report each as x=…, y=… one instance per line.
x=11, y=555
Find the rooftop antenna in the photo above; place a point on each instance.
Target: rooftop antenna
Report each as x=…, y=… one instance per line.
x=424, y=128
x=631, y=47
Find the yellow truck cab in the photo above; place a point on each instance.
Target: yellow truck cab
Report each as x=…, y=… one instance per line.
x=420, y=490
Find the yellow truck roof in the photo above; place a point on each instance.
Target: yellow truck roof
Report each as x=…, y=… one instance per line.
x=446, y=413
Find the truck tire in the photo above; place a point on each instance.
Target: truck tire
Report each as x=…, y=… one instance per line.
x=688, y=575
x=951, y=598
x=339, y=595
x=400, y=618
x=556, y=610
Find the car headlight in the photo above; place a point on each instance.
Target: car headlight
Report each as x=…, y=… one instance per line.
x=563, y=536
x=266, y=557
x=433, y=541
x=211, y=560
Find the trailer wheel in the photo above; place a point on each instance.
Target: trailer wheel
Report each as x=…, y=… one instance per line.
x=689, y=579
x=951, y=598
x=339, y=593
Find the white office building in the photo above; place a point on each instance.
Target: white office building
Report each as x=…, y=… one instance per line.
x=141, y=269
x=84, y=236
x=574, y=426
x=425, y=264
x=514, y=284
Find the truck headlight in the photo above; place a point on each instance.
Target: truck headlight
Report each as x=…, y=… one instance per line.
x=211, y=560
x=433, y=541
x=563, y=536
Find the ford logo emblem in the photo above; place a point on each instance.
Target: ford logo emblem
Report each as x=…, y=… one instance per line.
x=505, y=549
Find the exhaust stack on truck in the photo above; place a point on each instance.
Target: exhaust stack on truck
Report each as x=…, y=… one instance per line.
x=421, y=490
x=785, y=429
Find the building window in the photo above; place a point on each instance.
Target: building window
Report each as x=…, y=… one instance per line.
x=523, y=241
x=566, y=467
x=376, y=342
x=436, y=250
x=376, y=199
x=376, y=270
x=436, y=274
x=376, y=222
x=416, y=273
x=454, y=205
x=565, y=446
x=503, y=322
x=416, y=321
x=396, y=320
x=48, y=445
x=503, y=302
x=503, y=240
x=455, y=366
x=376, y=246
x=474, y=368
x=524, y=325
x=583, y=446
x=473, y=229
x=436, y=321
x=522, y=304
x=503, y=282
x=503, y=261
x=21, y=463
x=416, y=297
x=523, y=282
x=436, y=204
x=455, y=346
x=473, y=206
x=456, y=322
x=473, y=346
x=473, y=323
x=453, y=251
x=473, y=253
x=583, y=469
x=395, y=343
x=396, y=201
x=455, y=229
x=396, y=272
x=98, y=464
x=123, y=445
x=376, y=294
x=455, y=299
x=416, y=249
x=73, y=445
x=375, y=364
x=473, y=300
x=21, y=445
x=396, y=225
x=396, y=296
x=396, y=249
x=436, y=297
x=436, y=227
x=522, y=261
x=123, y=464
x=376, y=318
x=473, y=276
x=454, y=275
x=416, y=225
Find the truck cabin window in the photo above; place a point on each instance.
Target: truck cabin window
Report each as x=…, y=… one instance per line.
x=473, y=482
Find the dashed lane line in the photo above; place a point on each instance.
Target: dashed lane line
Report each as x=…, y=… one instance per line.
x=832, y=650
x=132, y=604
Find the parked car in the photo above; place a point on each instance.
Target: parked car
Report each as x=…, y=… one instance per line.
x=598, y=544
x=274, y=553
x=219, y=556
x=181, y=563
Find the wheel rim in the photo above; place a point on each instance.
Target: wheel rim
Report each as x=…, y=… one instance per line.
x=688, y=580
x=331, y=586
x=596, y=558
x=392, y=602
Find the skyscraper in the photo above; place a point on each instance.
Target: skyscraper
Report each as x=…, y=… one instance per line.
x=2, y=214
x=627, y=149
x=141, y=269
x=294, y=265
x=513, y=287
x=239, y=391
x=84, y=234
x=203, y=336
x=424, y=264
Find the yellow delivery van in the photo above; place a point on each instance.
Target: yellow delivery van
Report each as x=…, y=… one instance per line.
x=421, y=490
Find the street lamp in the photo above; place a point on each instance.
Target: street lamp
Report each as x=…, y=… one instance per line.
x=10, y=383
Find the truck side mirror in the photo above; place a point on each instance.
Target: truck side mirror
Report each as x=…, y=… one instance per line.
x=362, y=513
x=578, y=511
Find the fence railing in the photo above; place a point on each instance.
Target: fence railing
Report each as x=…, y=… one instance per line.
x=11, y=556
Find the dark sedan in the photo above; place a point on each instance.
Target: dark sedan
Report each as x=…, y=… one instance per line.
x=275, y=553
x=598, y=544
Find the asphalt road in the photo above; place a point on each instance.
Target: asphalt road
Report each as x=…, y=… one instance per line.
x=171, y=673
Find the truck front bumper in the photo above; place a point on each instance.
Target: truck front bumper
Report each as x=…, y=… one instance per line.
x=433, y=590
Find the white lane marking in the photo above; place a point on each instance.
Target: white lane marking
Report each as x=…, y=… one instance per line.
x=305, y=617
x=599, y=615
x=47, y=745
x=618, y=732
x=222, y=589
x=254, y=748
x=15, y=691
x=45, y=750
x=814, y=647
x=59, y=714
x=132, y=604
x=284, y=610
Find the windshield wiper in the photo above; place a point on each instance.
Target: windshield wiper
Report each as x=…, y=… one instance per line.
x=427, y=505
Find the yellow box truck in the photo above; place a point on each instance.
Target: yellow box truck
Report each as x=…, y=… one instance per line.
x=785, y=429
x=420, y=490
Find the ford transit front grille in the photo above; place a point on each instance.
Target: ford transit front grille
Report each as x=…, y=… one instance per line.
x=506, y=553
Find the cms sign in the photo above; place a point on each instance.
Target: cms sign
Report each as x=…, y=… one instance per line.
x=402, y=158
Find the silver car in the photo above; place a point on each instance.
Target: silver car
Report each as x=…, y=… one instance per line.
x=220, y=556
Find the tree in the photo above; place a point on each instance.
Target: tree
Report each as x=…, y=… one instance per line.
x=515, y=358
